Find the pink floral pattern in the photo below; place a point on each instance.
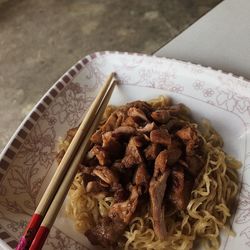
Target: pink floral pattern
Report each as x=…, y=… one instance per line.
x=198, y=85
x=243, y=216
x=224, y=97
x=208, y=92
x=244, y=205
x=57, y=240
x=246, y=234
x=233, y=101
x=71, y=104
x=28, y=174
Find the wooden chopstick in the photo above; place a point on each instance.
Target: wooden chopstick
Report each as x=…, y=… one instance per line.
x=57, y=178
x=56, y=204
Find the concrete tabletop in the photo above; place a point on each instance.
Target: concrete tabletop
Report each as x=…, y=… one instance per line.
x=220, y=39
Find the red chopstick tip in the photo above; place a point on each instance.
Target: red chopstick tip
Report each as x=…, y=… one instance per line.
x=40, y=238
x=22, y=244
x=30, y=232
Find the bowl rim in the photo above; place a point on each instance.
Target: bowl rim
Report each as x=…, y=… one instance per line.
x=23, y=130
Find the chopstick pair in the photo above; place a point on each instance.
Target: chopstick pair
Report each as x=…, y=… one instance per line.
x=49, y=206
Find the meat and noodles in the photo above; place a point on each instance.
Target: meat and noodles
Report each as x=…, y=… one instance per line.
x=153, y=179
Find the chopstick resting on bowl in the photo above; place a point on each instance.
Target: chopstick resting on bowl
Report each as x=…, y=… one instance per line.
x=59, y=185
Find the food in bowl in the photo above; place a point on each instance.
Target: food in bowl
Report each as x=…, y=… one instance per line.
x=153, y=179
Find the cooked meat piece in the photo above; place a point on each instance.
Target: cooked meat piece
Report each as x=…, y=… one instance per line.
x=90, y=162
x=88, y=178
x=161, y=163
x=166, y=158
x=190, y=138
x=107, y=139
x=97, y=137
x=137, y=114
x=125, y=176
x=86, y=170
x=121, y=195
x=174, y=155
x=176, y=142
x=121, y=116
x=112, y=145
x=161, y=116
x=147, y=128
x=147, y=139
x=86, y=173
x=187, y=134
x=106, y=175
x=145, y=107
x=124, y=131
x=169, y=156
x=157, y=189
x=160, y=136
x=175, y=124
x=152, y=151
x=107, y=232
x=195, y=164
x=139, y=141
x=164, y=115
x=129, y=121
x=132, y=154
x=111, y=140
x=124, y=210
x=117, y=165
x=183, y=163
x=114, y=121
x=177, y=188
x=104, y=184
x=110, y=124
x=101, y=154
x=94, y=187
x=141, y=178
x=180, y=188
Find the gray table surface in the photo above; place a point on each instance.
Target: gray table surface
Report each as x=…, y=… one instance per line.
x=220, y=39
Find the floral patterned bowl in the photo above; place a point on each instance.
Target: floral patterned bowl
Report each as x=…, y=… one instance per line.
x=28, y=161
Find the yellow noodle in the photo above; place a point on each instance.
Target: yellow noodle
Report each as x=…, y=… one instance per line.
x=160, y=102
x=81, y=207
